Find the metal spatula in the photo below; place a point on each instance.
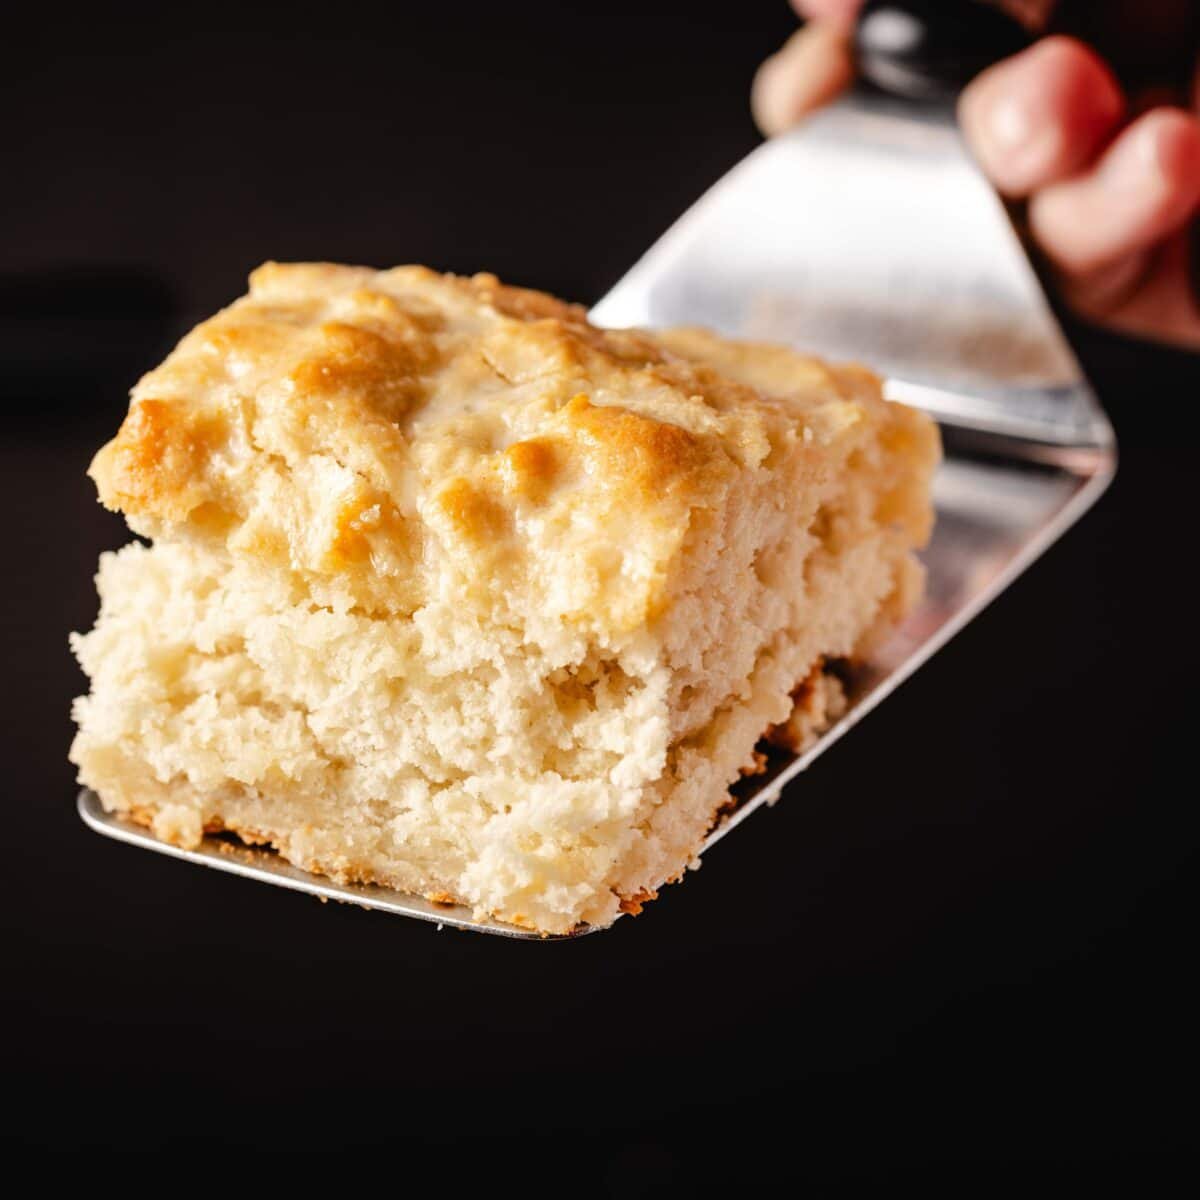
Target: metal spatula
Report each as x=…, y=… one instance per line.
x=867, y=234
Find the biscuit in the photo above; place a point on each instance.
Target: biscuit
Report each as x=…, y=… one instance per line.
x=454, y=592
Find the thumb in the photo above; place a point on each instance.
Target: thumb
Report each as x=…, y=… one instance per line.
x=814, y=65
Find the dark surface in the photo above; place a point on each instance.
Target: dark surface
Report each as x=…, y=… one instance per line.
x=960, y=949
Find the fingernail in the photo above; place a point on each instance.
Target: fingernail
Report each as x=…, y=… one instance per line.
x=1009, y=123
x=1024, y=131
x=1014, y=134
x=1136, y=161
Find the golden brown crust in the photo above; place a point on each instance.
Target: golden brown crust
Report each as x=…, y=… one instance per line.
x=156, y=461
x=643, y=456
x=338, y=421
x=633, y=904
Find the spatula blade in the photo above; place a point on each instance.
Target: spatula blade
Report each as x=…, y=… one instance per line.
x=867, y=234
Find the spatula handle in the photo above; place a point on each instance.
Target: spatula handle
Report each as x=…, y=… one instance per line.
x=930, y=49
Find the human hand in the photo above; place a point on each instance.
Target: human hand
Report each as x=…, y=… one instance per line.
x=1113, y=184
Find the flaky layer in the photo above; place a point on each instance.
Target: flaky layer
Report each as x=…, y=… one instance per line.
x=539, y=793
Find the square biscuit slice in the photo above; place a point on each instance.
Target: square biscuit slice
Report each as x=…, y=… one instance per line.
x=451, y=591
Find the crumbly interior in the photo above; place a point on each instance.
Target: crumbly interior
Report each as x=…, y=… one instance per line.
x=512, y=640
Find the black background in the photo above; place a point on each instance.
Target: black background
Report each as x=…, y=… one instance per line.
x=959, y=950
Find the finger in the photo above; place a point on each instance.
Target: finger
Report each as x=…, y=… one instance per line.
x=1148, y=295
x=839, y=13
x=1145, y=187
x=814, y=65
x=1041, y=115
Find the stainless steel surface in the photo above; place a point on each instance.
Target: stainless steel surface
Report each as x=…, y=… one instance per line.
x=866, y=234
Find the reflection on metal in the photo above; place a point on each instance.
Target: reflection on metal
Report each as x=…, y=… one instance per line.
x=867, y=235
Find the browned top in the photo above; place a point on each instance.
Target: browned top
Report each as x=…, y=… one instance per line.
x=357, y=426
